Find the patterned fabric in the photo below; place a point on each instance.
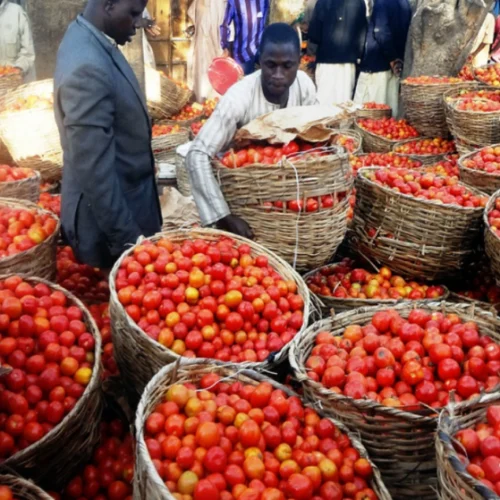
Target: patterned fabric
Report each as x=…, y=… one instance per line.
x=242, y=103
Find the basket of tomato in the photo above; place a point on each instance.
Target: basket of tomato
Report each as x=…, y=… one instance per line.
x=17, y=488
x=491, y=220
x=254, y=439
x=350, y=140
x=19, y=183
x=166, y=139
x=386, y=373
x=426, y=150
x=419, y=224
x=51, y=397
x=381, y=135
x=481, y=169
x=374, y=111
x=295, y=197
x=206, y=294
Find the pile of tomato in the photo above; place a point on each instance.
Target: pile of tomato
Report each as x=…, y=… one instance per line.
x=197, y=126
x=12, y=174
x=375, y=105
x=487, y=160
x=161, y=129
x=46, y=343
x=350, y=144
x=494, y=218
x=309, y=205
x=383, y=160
x=389, y=128
x=489, y=75
x=444, y=168
x=479, y=105
x=209, y=299
x=432, y=80
x=51, y=202
x=434, y=146
x=232, y=440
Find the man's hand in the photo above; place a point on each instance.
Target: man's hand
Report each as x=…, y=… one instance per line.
x=236, y=225
x=225, y=53
x=153, y=30
x=397, y=67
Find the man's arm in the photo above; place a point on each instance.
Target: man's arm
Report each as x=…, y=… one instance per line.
x=224, y=27
x=26, y=58
x=88, y=108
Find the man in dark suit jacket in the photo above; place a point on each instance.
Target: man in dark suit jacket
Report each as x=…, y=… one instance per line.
x=109, y=193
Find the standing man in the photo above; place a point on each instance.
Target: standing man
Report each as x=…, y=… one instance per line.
x=16, y=40
x=249, y=18
x=480, y=53
x=109, y=194
x=277, y=85
x=338, y=28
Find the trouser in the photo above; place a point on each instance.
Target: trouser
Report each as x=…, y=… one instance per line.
x=381, y=87
x=335, y=83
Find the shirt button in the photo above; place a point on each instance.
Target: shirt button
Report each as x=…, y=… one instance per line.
x=340, y=19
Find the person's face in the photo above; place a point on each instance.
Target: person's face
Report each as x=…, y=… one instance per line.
x=279, y=64
x=122, y=17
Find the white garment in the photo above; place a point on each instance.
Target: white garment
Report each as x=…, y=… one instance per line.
x=381, y=87
x=149, y=56
x=486, y=35
x=335, y=83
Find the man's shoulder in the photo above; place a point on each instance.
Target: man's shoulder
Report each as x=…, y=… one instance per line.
x=304, y=80
x=244, y=89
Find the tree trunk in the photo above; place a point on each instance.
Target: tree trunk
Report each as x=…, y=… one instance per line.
x=441, y=35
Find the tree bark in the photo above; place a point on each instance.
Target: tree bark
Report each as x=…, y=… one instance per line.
x=441, y=35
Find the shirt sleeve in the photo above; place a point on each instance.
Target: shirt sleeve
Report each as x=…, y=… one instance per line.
x=26, y=57
x=215, y=135
x=489, y=34
x=224, y=28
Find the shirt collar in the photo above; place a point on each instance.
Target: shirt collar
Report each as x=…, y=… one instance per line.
x=96, y=31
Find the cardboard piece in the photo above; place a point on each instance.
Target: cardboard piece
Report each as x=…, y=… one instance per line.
x=178, y=212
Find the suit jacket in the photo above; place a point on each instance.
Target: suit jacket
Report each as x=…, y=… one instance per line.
x=109, y=192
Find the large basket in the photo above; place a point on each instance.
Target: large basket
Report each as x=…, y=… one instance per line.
x=147, y=481
x=24, y=189
x=455, y=483
x=56, y=458
x=10, y=82
x=138, y=356
x=413, y=237
x=452, y=95
x=484, y=181
x=423, y=105
x=464, y=147
x=373, y=114
x=164, y=96
x=373, y=143
x=399, y=442
x=351, y=134
x=39, y=261
x=23, y=489
x=491, y=240
x=164, y=146
x=424, y=159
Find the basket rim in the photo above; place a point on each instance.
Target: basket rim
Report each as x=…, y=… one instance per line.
x=456, y=102
x=382, y=138
x=30, y=486
x=438, y=84
x=427, y=203
x=94, y=383
x=34, y=175
x=200, y=232
x=487, y=210
x=477, y=172
x=422, y=415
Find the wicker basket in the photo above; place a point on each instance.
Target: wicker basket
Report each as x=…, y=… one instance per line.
x=147, y=481
x=352, y=134
x=39, y=261
x=484, y=181
x=25, y=189
x=184, y=123
x=71, y=443
x=50, y=188
x=164, y=146
x=452, y=95
x=487, y=306
x=10, y=82
x=138, y=356
x=374, y=143
x=491, y=240
x=373, y=114
x=429, y=241
x=23, y=489
x=164, y=97
x=31, y=135
x=455, y=483
x=464, y=147
x=424, y=159
x=399, y=442
x=424, y=106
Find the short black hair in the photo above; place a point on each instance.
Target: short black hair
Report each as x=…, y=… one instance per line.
x=279, y=33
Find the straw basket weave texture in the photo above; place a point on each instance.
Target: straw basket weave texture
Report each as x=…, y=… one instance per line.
x=339, y=305
x=491, y=240
x=413, y=237
x=373, y=114
x=138, y=356
x=164, y=146
x=54, y=459
x=182, y=175
x=10, y=82
x=464, y=147
x=24, y=189
x=374, y=143
x=401, y=443
x=450, y=96
x=23, y=489
x=350, y=134
x=487, y=306
x=484, y=181
x=423, y=105
x=147, y=481
x=164, y=96
x=39, y=261
x=455, y=483
x=424, y=159
x=31, y=135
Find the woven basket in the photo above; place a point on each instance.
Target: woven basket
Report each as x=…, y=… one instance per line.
x=164, y=97
x=430, y=241
x=147, y=481
x=184, y=123
x=450, y=96
x=487, y=306
x=464, y=147
x=484, y=181
x=399, y=442
x=138, y=356
x=56, y=458
x=424, y=106
x=23, y=489
x=491, y=240
x=31, y=135
x=424, y=159
x=39, y=261
x=164, y=146
x=10, y=82
x=374, y=143
x=455, y=483
x=339, y=305
x=373, y=114
x=182, y=175
x=352, y=134
x=25, y=189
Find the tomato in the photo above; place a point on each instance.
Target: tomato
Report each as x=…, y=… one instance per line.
x=290, y=148
x=448, y=369
x=491, y=468
x=300, y=487
x=467, y=386
x=205, y=490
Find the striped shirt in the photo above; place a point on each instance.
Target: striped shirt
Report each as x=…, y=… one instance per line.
x=242, y=103
x=249, y=18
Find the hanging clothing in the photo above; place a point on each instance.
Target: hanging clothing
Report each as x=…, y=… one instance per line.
x=335, y=83
x=207, y=16
x=16, y=40
x=149, y=56
x=381, y=87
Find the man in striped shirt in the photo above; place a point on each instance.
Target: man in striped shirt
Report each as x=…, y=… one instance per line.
x=277, y=85
x=248, y=18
